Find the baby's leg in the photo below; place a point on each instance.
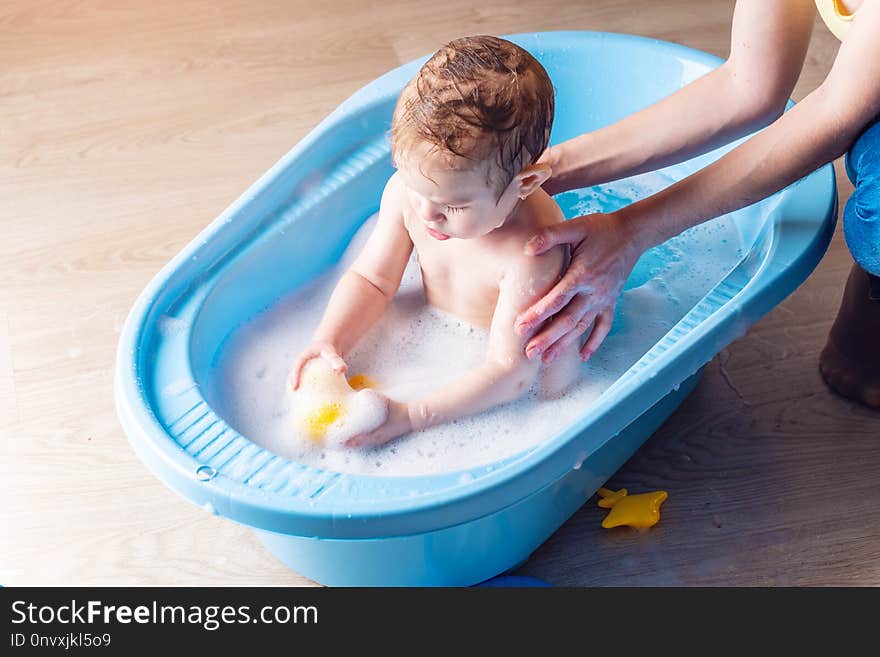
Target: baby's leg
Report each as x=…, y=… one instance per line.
x=850, y=362
x=558, y=376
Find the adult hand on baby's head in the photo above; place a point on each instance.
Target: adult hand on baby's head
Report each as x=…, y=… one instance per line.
x=603, y=255
x=316, y=350
x=397, y=423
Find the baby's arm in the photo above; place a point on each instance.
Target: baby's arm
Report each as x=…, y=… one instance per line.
x=504, y=375
x=365, y=290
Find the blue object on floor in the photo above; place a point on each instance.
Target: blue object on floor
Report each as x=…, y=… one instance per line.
x=518, y=581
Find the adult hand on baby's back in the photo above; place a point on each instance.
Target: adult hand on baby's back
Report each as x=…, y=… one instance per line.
x=316, y=350
x=603, y=254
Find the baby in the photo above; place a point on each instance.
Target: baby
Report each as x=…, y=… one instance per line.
x=466, y=136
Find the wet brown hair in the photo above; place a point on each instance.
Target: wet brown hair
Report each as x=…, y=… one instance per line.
x=479, y=98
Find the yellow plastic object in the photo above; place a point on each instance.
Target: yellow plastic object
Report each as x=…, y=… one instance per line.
x=836, y=16
x=316, y=423
x=610, y=498
x=327, y=410
x=640, y=511
x=361, y=381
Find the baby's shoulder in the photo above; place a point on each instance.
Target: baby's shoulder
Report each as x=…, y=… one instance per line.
x=516, y=265
x=393, y=192
x=546, y=211
x=539, y=211
x=392, y=207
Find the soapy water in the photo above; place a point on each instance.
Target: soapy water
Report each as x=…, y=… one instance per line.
x=414, y=349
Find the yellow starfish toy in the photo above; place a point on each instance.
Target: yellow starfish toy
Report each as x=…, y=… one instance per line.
x=639, y=511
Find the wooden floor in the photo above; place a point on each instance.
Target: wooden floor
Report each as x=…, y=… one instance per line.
x=125, y=127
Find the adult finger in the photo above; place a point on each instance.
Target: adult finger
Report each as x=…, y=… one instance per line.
x=562, y=324
x=581, y=327
x=566, y=232
x=601, y=327
x=550, y=304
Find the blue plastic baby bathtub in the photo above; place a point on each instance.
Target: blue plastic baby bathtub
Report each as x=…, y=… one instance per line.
x=292, y=224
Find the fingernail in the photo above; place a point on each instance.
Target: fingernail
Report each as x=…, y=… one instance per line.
x=548, y=356
x=531, y=353
x=523, y=328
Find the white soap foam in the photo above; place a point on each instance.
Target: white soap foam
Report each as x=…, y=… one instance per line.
x=414, y=349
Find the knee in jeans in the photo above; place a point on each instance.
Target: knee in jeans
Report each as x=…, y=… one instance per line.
x=861, y=227
x=864, y=156
x=865, y=200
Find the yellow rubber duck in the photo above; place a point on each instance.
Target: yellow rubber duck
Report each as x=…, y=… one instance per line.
x=326, y=406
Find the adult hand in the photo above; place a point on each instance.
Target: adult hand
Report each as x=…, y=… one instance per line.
x=603, y=253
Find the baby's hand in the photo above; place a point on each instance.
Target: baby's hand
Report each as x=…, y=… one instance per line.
x=316, y=350
x=396, y=424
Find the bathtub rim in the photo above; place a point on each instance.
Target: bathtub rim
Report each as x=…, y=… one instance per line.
x=520, y=474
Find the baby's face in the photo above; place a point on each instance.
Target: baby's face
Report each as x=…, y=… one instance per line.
x=454, y=202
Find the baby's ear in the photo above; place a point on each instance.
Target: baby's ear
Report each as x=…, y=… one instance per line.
x=532, y=177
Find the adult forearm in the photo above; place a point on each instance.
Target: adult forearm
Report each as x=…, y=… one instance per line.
x=768, y=43
x=707, y=113
x=808, y=136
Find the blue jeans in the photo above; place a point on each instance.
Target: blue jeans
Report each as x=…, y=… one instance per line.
x=861, y=217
